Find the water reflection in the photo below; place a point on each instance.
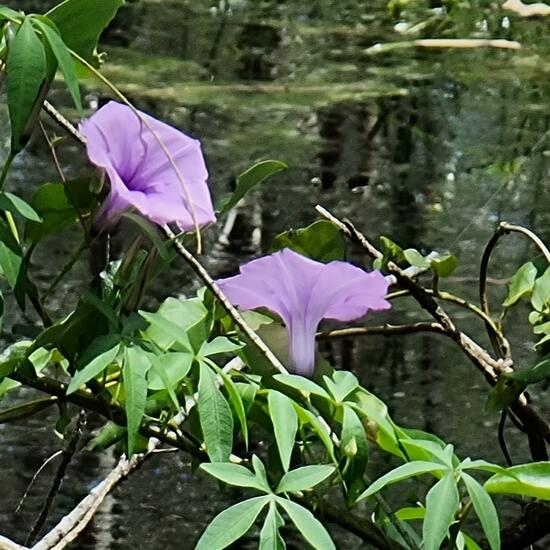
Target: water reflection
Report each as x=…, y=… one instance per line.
x=429, y=148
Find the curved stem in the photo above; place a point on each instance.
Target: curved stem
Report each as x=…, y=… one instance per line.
x=6, y=169
x=511, y=228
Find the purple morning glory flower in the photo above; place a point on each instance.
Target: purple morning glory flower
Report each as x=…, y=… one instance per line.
x=141, y=174
x=303, y=292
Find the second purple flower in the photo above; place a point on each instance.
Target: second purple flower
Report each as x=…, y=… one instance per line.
x=303, y=292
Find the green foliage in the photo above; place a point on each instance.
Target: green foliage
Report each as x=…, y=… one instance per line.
x=285, y=424
x=81, y=22
x=521, y=284
x=248, y=180
x=321, y=241
x=530, y=480
x=26, y=68
x=17, y=206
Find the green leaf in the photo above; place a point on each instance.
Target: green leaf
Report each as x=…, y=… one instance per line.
x=540, y=372
x=270, y=538
x=521, y=283
x=237, y=402
x=481, y=465
x=485, y=510
x=405, y=471
x=321, y=241
x=215, y=417
x=169, y=329
x=231, y=524
x=15, y=205
x=10, y=15
x=249, y=179
x=342, y=384
x=415, y=258
x=444, y=266
x=220, y=344
x=64, y=60
x=81, y=22
x=26, y=69
x=302, y=384
x=322, y=431
x=285, y=424
x=541, y=291
x=11, y=255
x=304, y=478
x=391, y=252
x=441, y=504
x=52, y=205
x=95, y=359
x=174, y=366
x=259, y=470
x=503, y=394
x=310, y=527
x=353, y=439
x=409, y=513
x=234, y=474
x=531, y=480
x=134, y=370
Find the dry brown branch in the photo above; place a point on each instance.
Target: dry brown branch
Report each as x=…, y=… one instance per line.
x=527, y=10
x=536, y=428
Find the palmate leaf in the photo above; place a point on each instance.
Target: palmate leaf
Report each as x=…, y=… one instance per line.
x=285, y=424
x=134, y=370
x=485, y=510
x=304, y=478
x=270, y=538
x=216, y=419
x=26, y=69
x=405, y=471
x=308, y=525
x=235, y=474
x=441, y=506
x=231, y=524
x=531, y=480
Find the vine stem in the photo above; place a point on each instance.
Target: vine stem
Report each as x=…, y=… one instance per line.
x=197, y=267
x=6, y=169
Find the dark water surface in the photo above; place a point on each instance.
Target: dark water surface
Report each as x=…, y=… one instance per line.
x=429, y=147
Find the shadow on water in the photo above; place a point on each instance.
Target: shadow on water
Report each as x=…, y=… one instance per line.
x=430, y=148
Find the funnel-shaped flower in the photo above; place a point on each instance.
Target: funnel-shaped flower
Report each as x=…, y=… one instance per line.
x=303, y=292
x=142, y=174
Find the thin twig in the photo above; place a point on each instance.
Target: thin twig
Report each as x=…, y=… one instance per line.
x=511, y=228
x=34, y=478
x=68, y=454
x=384, y=330
x=536, y=428
x=216, y=290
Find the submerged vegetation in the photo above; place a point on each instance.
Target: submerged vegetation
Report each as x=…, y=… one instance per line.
x=232, y=372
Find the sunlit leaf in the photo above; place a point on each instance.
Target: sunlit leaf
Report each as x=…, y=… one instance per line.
x=234, y=474
x=531, y=480
x=304, y=478
x=174, y=365
x=308, y=525
x=285, y=424
x=342, y=384
x=270, y=538
x=220, y=344
x=14, y=204
x=441, y=505
x=231, y=524
x=415, y=258
x=541, y=291
x=405, y=471
x=134, y=371
x=215, y=417
x=485, y=510
x=445, y=265
x=305, y=385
